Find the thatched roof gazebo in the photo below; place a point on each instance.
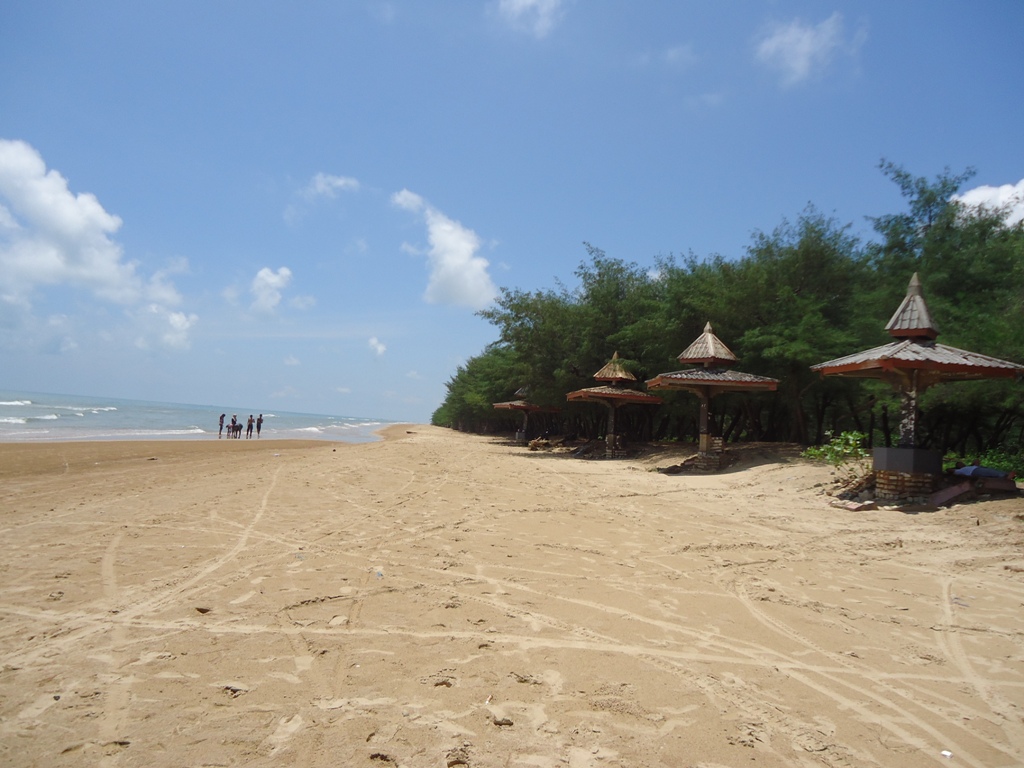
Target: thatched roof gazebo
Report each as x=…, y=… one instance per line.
x=711, y=376
x=616, y=393
x=525, y=407
x=911, y=363
x=914, y=361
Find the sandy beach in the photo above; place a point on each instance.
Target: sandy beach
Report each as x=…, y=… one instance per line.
x=442, y=599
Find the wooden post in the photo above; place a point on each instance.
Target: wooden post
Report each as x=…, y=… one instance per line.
x=609, y=438
x=704, y=444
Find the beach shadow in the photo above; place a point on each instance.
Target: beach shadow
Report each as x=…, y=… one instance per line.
x=663, y=457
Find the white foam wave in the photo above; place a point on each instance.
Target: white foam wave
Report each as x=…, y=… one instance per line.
x=167, y=432
x=13, y=420
x=15, y=402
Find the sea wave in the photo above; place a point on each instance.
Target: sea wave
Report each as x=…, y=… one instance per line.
x=160, y=432
x=15, y=402
x=13, y=420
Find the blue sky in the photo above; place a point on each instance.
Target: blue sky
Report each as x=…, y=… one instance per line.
x=300, y=206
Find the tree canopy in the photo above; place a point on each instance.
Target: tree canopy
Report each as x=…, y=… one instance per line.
x=806, y=292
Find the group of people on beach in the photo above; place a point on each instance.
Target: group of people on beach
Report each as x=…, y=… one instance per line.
x=235, y=427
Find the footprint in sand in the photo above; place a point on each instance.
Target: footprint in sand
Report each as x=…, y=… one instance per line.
x=287, y=727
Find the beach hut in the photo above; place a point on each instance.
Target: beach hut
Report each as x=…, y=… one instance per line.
x=526, y=408
x=617, y=391
x=711, y=375
x=911, y=363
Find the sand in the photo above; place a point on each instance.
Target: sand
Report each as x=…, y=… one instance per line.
x=440, y=599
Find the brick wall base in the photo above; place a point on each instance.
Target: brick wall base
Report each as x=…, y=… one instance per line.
x=708, y=462
x=910, y=487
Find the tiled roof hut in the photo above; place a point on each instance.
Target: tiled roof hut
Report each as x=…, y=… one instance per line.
x=617, y=392
x=710, y=376
x=911, y=363
x=525, y=407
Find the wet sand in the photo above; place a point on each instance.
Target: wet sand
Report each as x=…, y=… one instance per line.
x=440, y=599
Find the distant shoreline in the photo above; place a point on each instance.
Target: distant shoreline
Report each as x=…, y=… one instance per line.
x=386, y=432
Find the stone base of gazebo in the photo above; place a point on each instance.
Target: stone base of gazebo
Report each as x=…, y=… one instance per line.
x=710, y=456
x=905, y=487
x=707, y=462
x=908, y=475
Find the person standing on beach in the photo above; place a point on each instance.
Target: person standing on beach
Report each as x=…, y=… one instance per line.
x=248, y=427
x=233, y=431
x=259, y=426
x=220, y=432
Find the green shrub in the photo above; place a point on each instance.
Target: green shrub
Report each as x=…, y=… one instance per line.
x=846, y=453
x=1007, y=459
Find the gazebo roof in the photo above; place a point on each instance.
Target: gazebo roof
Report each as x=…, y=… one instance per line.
x=614, y=396
x=522, y=404
x=712, y=381
x=613, y=371
x=934, y=363
x=713, y=378
x=915, y=353
x=707, y=349
x=517, y=405
x=912, y=320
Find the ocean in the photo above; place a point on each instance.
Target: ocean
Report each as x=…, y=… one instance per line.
x=35, y=417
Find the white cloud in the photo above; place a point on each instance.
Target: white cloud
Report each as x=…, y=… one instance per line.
x=376, y=346
x=410, y=201
x=343, y=390
x=178, y=326
x=230, y=294
x=1007, y=196
x=538, y=17
x=326, y=185
x=266, y=288
x=291, y=360
x=458, y=276
x=7, y=220
x=52, y=237
x=800, y=51
x=321, y=186
x=171, y=329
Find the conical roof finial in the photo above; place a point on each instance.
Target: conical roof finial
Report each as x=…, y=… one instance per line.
x=913, y=320
x=708, y=349
x=614, y=371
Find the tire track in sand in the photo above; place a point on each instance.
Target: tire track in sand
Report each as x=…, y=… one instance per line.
x=161, y=598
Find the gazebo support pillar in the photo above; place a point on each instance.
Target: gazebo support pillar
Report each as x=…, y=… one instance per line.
x=609, y=437
x=709, y=449
x=908, y=413
x=704, y=440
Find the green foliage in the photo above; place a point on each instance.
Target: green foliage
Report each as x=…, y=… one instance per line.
x=1008, y=459
x=806, y=292
x=847, y=447
x=847, y=453
x=484, y=380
